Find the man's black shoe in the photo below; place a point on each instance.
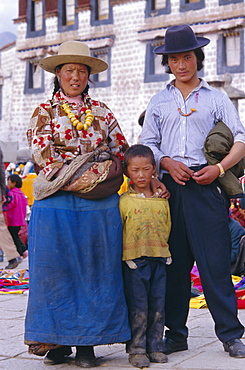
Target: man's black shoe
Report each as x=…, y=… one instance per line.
x=235, y=347
x=170, y=346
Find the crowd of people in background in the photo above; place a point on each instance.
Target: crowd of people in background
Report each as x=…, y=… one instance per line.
x=16, y=209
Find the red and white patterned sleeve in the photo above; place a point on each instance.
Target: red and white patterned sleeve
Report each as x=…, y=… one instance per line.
x=116, y=139
x=40, y=140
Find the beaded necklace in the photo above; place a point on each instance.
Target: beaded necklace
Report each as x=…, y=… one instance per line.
x=89, y=117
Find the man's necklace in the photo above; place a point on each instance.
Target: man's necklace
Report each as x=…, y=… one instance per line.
x=186, y=114
x=179, y=109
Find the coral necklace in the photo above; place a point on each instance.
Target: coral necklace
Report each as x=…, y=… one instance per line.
x=186, y=114
x=89, y=117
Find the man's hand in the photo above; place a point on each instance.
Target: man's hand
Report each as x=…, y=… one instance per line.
x=206, y=175
x=159, y=188
x=178, y=170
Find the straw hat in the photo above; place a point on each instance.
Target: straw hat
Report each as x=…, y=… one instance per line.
x=179, y=39
x=73, y=52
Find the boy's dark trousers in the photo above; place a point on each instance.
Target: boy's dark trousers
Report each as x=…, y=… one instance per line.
x=145, y=295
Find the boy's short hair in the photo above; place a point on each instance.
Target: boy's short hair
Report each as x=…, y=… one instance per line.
x=138, y=150
x=17, y=179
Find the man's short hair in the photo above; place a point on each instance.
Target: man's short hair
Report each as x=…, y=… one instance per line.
x=200, y=58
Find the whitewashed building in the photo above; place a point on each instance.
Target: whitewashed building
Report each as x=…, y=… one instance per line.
x=124, y=33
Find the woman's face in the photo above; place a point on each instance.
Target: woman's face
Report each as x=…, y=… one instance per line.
x=73, y=78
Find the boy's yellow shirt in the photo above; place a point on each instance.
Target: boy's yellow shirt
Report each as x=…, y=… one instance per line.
x=146, y=225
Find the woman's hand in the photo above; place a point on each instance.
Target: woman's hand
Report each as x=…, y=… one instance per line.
x=62, y=170
x=159, y=188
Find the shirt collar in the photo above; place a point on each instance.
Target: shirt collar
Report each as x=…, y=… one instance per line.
x=170, y=86
x=58, y=99
x=132, y=192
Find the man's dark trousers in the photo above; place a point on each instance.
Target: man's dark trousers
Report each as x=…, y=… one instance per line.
x=200, y=233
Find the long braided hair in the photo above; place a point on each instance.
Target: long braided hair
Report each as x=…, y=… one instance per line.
x=57, y=84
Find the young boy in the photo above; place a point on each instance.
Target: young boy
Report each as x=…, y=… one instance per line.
x=146, y=228
x=16, y=212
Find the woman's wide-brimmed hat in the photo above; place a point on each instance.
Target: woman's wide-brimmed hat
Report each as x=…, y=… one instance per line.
x=179, y=39
x=73, y=52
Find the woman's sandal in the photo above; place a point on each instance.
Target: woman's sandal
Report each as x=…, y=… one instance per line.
x=57, y=356
x=85, y=357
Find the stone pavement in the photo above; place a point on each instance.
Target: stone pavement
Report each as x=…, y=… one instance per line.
x=205, y=351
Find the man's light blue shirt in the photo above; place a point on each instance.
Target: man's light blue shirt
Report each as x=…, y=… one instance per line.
x=168, y=133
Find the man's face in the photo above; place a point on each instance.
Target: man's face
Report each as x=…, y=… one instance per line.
x=183, y=66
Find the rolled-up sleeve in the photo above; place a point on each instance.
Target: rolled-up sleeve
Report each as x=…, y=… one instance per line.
x=227, y=113
x=151, y=134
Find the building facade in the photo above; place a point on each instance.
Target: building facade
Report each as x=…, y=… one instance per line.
x=123, y=33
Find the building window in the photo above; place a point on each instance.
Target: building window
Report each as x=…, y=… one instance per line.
x=186, y=5
x=34, y=79
x=67, y=16
x=101, y=12
x=154, y=71
x=230, y=56
x=38, y=15
x=103, y=9
x=1, y=100
x=157, y=7
x=225, y=2
x=102, y=79
x=35, y=19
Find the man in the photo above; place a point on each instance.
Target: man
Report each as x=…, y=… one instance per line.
x=177, y=122
x=6, y=241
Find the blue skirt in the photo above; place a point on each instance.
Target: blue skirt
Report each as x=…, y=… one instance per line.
x=76, y=292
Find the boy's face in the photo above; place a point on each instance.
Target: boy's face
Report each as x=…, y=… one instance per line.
x=140, y=171
x=183, y=66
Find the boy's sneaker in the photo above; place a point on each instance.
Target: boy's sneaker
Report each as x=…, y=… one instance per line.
x=159, y=357
x=13, y=263
x=139, y=360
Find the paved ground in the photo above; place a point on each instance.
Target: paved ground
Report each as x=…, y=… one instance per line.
x=205, y=351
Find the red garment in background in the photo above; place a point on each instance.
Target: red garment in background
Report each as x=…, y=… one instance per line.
x=239, y=215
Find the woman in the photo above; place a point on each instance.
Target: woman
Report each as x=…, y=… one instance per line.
x=76, y=291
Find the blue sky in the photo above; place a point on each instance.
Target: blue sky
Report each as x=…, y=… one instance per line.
x=8, y=12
